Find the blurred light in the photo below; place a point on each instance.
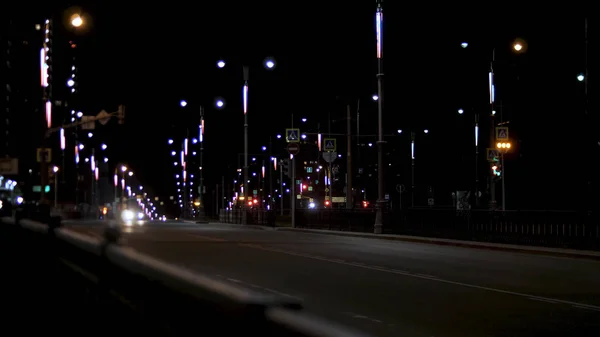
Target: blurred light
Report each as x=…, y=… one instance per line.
x=461, y=111
x=426, y=131
x=580, y=77
x=170, y=141
x=303, y=136
x=464, y=44
x=173, y=153
x=221, y=64
x=264, y=148
x=370, y=144
x=183, y=103
x=80, y=114
x=303, y=120
x=70, y=82
x=219, y=103
x=104, y=146
x=278, y=136
x=375, y=97
x=90, y=135
x=269, y=63
x=399, y=131
x=76, y=21
x=194, y=140
x=518, y=46
x=311, y=205
x=63, y=140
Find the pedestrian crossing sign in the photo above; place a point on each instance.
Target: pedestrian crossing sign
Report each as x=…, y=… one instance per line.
x=501, y=133
x=292, y=135
x=492, y=155
x=330, y=145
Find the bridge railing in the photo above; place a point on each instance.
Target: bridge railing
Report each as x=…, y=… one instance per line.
x=70, y=280
x=568, y=229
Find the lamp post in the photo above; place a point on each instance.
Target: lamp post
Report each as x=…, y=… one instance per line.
x=55, y=170
x=378, y=227
x=269, y=63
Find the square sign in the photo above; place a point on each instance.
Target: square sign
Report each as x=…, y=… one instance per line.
x=501, y=133
x=330, y=145
x=292, y=135
x=492, y=155
x=44, y=155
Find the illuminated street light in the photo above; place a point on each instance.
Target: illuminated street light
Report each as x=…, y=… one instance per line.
x=76, y=21
x=221, y=64
x=517, y=46
x=269, y=63
x=399, y=131
x=219, y=103
x=580, y=77
x=464, y=44
x=183, y=103
x=70, y=83
x=303, y=120
x=461, y=111
x=375, y=97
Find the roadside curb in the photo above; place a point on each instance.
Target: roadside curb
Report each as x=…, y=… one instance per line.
x=534, y=250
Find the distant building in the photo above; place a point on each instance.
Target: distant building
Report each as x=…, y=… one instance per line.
x=21, y=118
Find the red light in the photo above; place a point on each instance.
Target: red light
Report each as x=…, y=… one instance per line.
x=303, y=187
x=249, y=203
x=255, y=201
x=327, y=203
x=365, y=204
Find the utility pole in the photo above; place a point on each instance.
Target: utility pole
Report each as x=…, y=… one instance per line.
x=378, y=226
x=222, y=193
x=349, y=203
x=201, y=211
x=281, y=187
x=245, y=108
x=271, y=161
x=492, y=182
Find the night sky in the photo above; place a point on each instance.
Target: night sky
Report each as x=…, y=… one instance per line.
x=151, y=57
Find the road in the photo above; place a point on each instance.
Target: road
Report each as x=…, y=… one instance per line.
x=389, y=288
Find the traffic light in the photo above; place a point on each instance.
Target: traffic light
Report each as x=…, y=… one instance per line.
x=285, y=166
x=496, y=170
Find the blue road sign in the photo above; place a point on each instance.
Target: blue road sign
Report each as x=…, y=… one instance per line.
x=329, y=145
x=492, y=155
x=292, y=135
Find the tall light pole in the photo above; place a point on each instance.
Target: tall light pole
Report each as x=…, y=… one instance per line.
x=378, y=228
x=201, y=215
x=246, y=74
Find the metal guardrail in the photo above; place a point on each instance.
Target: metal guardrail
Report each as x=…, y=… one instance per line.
x=137, y=293
x=564, y=229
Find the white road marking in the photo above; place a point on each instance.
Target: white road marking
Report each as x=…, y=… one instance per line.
x=432, y=278
x=256, y=286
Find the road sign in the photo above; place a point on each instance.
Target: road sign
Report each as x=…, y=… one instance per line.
x=88, y=122
x=292, y=135
x=329, y=156
x=44, y=155
x=501, y=133
x=9, y=166
x=293, y=148
x=400, y=188
x=103, y=117
x=492, y=155
x=330, y=145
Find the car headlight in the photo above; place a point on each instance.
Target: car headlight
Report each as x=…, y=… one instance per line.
x=127, y=215
x=140, y=215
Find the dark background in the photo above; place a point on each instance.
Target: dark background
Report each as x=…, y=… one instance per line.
x=150, y=57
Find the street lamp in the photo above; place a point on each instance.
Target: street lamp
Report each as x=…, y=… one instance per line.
x=378, y=226
x=76, y=21
x=269, y=64
x=55, y=170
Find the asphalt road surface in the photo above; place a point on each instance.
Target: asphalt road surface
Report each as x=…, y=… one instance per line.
x=389, y=288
